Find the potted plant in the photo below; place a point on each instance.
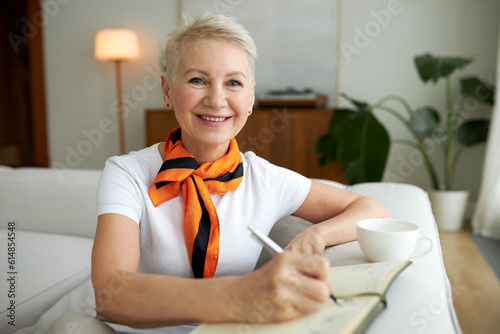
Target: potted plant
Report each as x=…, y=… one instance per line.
x=360, y=143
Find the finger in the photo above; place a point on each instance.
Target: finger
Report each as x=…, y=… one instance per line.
x=313, y=289
x=302, y=281
x=306, y=274
x=299, y=248
x=306, y=305
x=315, y=266
x=290, y=304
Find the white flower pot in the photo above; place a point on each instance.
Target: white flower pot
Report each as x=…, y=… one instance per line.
x=449, y=207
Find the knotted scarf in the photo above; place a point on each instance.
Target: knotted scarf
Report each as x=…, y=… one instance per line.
x=201, y=223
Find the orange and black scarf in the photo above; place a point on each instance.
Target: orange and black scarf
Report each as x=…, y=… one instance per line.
x=201, y=223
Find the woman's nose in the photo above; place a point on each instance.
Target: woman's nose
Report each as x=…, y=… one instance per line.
x=216, y=97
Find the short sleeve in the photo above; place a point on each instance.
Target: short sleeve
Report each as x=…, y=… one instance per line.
x=286, y=189
x=118, y=192
x=292, y=188
x=303, y=189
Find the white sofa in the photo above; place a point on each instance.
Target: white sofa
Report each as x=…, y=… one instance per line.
x=54, y=213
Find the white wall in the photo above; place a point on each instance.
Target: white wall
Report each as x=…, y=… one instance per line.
x=295, y=39
x=81, y=90
x=383, y=65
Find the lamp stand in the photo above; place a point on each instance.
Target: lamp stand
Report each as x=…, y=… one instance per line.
x=121, y=118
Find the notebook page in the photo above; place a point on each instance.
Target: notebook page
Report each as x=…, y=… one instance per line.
x=331, y=318
x=364, y=278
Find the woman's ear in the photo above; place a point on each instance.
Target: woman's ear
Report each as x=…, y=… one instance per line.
x=252, y=100
x=165, y=88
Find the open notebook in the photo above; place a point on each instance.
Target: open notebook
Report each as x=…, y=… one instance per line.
x=362, y=289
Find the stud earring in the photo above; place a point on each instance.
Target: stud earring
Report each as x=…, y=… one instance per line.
x=168, y=106
x=250, y=112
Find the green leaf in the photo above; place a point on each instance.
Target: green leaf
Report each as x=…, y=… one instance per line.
x=360, y=104
x=433, y=68
x=363, y=147
x=339, y=117
x=473, y=132
x=358, y=141
x=323, y=160
x=475, y=88
x=425, y=123
x=353, y=173
x=326, y=145
x=323, y=143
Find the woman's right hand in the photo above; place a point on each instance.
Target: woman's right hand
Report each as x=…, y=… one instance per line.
x=289, y=286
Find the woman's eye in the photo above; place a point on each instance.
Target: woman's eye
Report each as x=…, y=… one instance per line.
x=196, y=81
x=234, y=83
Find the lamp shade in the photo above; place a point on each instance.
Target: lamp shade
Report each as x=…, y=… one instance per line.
x=116, y=44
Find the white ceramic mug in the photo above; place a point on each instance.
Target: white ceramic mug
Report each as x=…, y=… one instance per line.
x=388, y=239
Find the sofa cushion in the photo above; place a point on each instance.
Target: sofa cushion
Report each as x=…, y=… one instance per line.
x=71, y=193
x=47, y=267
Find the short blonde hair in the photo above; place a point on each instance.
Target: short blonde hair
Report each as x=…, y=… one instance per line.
x=212, y=29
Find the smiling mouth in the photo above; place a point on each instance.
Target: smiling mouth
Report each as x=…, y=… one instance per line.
x=213, y=119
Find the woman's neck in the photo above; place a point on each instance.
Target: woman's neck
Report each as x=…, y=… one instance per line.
x=203, y=153
x=200, y=153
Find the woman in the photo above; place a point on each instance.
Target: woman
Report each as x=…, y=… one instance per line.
x=179, y=210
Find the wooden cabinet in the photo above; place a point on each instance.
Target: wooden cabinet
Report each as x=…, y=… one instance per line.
x=285, y=137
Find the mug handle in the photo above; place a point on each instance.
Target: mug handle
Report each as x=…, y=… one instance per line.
x=420, y=237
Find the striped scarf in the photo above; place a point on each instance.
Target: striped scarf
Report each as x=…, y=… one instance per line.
x=201, y=223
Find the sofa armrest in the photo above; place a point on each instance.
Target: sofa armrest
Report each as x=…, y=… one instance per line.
x=49, y=200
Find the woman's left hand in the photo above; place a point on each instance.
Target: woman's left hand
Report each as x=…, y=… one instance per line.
x=309, y=241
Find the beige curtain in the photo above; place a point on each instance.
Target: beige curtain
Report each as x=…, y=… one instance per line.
x=486, y=217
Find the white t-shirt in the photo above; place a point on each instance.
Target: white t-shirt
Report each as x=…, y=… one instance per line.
x=266, y=194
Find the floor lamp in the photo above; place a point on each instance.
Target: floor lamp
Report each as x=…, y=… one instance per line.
x=117, y=45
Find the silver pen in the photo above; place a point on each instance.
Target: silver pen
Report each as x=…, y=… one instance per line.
x=273, y=248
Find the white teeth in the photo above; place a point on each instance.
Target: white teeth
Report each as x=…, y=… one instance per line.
x=213, y=119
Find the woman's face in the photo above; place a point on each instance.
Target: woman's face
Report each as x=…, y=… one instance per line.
x=211, y=94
